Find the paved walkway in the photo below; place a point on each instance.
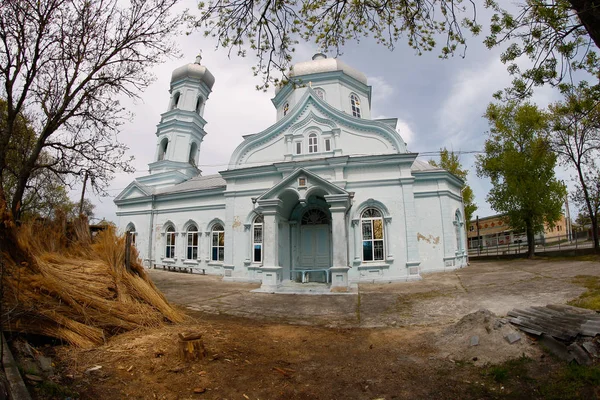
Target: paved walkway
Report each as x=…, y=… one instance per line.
x=439, y=298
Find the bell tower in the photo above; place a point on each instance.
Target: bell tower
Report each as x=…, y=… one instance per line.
x=181, y=128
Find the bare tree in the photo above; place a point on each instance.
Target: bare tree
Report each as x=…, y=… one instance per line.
x=64, y=64
x=575, y=137
x=271, y=28
x=558, y=36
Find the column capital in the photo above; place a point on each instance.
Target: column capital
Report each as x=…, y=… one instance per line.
x=270, y=206
x=339, y=202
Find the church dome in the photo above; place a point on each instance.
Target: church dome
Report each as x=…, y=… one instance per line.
x=194, y=71
x=320, y=63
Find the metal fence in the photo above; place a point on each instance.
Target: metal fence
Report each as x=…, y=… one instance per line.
x=574, y=241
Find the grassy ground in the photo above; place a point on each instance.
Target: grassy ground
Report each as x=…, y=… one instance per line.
x=591, y=297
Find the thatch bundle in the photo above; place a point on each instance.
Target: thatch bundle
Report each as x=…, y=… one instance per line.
x=76, y=290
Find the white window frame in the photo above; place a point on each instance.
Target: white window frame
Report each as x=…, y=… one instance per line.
x=170, y=241
x=217, y=232
x=355, y=105
x=192, y=232
x=369, y=223
x=313, y=143
x=258, y=226
x=298, y=147
x=327, y=144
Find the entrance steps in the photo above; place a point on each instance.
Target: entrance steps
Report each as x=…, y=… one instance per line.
x=309, y=288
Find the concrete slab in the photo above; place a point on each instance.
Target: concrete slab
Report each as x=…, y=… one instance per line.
x=440, y=298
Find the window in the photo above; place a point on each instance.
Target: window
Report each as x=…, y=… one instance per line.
x=170, y=243
x=175, y=100
x=257, y=239
x=131, y=233
x=193, y=152
x=320, y=93
x=314, y=216
x=302, y=182
x=218, y=243
x=312, y=143
x=199, y=105
x=298, y=147
x=471, y=228
x=372, y=235
x=192, y=243
x=162, y=151
x=327, y=144
x=286, y=108
x=355, y=103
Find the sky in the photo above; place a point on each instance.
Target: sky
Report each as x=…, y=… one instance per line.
x=438, y=103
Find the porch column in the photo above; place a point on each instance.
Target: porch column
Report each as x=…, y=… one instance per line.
x=271, y=271
x=339, y=239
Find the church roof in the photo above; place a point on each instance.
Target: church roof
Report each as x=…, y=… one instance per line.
x=320, y=63
x=194, y=71
x=420, y=165
x=198, y=183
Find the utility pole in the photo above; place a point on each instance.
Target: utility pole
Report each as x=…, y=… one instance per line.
x=83, y=193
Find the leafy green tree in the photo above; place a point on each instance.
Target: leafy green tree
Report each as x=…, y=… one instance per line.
x=556, y=35
x=451, y=163
x=520, y=163
x=575, y=137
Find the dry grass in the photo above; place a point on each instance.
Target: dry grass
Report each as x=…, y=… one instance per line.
x=79, y=291
x=591, y=297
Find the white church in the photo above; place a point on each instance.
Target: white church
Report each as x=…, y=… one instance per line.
x=326, y=194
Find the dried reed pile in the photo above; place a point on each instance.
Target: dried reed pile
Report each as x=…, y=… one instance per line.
x=77, y=290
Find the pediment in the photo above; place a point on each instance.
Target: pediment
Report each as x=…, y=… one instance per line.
x=312, y=114
x=311, y=183
x=134, y=190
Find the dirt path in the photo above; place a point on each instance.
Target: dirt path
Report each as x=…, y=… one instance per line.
x=395, y=341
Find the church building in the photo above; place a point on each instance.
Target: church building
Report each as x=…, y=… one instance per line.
x=326, y=194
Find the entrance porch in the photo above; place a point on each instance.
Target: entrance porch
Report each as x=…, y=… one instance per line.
x=305, y=233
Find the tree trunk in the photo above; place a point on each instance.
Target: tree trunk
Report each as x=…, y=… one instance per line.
x=589, y=14
x=530, y=241
x=595, y=233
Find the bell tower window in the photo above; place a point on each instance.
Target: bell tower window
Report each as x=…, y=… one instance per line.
x=355, y=103
x=286, y=108
x=193, y=151
x=162, y=151
x=175, y=103
x=199, y=105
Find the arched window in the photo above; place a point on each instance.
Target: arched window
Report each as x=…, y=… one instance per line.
x=355, y=103
x=314, y=216
x=218, y=243
x=192, y=243
x=286, y=108
x=320, y=93
x=175, y=103
x=312, y=143
x=372, y=235
x=199, y=105
x=162, y=151
x=257, y=239
x=193, y=151
x=131, y=232
x=170, y=243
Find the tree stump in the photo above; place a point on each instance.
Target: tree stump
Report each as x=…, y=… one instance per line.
x=191, y=347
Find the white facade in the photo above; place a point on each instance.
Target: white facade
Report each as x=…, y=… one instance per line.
x=325, y=194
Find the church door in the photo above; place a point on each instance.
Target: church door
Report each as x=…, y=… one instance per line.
x=315, y=244
x=314, y=247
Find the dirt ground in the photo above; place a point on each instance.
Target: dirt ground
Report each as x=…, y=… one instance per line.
x=391, y=341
